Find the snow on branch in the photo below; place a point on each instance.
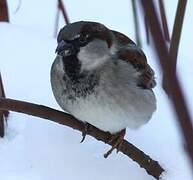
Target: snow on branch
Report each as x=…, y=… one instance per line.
x=151, y=166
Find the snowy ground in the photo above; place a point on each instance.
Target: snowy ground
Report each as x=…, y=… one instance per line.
x=36, y=149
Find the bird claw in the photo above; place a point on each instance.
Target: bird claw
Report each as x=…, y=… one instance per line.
x=118, y=141
x=84, y=132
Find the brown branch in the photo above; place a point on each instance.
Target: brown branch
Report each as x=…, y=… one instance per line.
x=152, y=167
x=4, y=11
x=136, y=23
x=62, y=8
x=146, y=29
x=176, y=34
x=64, y=13
x=164, y=20
x=172, y=82
x=177, y=30
x=2, y=128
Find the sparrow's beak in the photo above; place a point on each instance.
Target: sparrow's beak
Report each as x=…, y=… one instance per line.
x=65, y=49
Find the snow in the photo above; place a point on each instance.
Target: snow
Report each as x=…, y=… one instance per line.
x=37, y=149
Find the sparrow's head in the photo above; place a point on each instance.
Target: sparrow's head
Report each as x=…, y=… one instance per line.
x=89, y=42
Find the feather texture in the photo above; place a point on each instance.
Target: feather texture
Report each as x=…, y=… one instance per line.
x=131, y=53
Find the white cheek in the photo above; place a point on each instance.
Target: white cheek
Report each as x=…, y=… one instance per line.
x=113, y=49
x=93, y=55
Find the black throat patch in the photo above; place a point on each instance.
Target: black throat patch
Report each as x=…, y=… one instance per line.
x=78, y=84
x=72, y=67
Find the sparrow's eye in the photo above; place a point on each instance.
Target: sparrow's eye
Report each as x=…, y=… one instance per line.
x=83, y=39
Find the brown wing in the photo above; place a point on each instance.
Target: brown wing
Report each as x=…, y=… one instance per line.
x=122, y=39
x=137, y=58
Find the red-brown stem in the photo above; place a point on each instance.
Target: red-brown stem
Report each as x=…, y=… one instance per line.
x=164, y=20
x=4, y=11
x=62, y=8
x=177, y=30
x=173, y=87
x=146, y=29
x=152, y=167
x=136, y=23
x=176, y=34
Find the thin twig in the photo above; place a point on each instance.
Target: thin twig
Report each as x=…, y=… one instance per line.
x=136, y=23
x=62, y=8
x=176, y=34
x=4, y=11
x=164, y=20
x=173, y=86
x=146, y=29
x=2, y=124
x=177, y=30
x=152, y=167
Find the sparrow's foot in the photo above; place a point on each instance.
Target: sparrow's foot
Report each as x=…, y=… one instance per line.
x=117, y=141
x=84, y=133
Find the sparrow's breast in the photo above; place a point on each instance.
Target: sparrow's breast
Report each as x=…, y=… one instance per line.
x=69, y=85
x=108, y=102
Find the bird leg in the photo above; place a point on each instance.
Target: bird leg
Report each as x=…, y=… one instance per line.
x=117, y=140
x=84, y=132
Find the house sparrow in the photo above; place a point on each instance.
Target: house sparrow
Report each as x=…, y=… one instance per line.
x=102, y=78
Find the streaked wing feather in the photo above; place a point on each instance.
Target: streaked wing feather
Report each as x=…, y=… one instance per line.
x=134, y=55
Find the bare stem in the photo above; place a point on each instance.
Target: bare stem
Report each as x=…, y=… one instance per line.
x=177, y=30
x=136, y=23
x=4, y=11
x=173, y=87
x=164, y=20
x=151, y=166
x=62, y=8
